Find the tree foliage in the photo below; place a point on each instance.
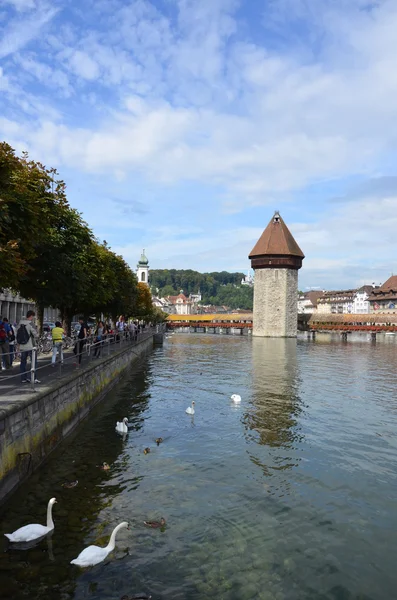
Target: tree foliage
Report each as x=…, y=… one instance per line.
x=47, y=251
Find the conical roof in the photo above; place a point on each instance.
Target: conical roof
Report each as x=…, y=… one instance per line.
x=276, y=240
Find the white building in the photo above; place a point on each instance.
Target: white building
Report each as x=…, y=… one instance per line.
x=361, y=304
x=248, y=279
x=142, y=269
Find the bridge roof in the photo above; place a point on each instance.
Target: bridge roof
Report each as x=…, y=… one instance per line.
x=213, y=317
x=276, y=240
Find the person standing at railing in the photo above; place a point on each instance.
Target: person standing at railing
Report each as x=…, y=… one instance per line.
x=5, y=334
x=26, y=338
x=121, y=326
x=57, y=334
x=81, y=340
x=99, y=339
x=12, y=339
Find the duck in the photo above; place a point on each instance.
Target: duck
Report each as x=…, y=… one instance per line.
x=146, y=451
x=33, y=531
x=156, y=524
x=236, y=398
x=70, y=484
x=92, y=555
x=190, y=409
x=122, y=426
x=104, y=466
x=158, y=441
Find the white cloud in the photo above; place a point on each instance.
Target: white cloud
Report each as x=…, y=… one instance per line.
x=83, y=65
x=188, y=96
x=20, y=32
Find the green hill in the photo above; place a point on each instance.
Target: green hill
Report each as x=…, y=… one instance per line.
x=218, y=288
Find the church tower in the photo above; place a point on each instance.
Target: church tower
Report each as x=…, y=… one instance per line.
x=276, y=259
x=142, y=269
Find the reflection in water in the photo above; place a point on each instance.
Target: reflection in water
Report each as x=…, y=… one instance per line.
x=275, y=401
x=289, y=495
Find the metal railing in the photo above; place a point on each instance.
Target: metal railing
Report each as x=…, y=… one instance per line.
x=89, y=346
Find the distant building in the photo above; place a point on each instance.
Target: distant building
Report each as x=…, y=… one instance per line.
x=307, y=302
x=181, y=304
x=336, y=302
x=13, y=306
x=346, y=302
x=163, y=304
x=248, y=279
x=361, y=304
x=195, y=298
x=383, y=300
x=142, y=269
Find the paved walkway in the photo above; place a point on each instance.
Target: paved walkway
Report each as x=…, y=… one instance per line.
x=10, y=380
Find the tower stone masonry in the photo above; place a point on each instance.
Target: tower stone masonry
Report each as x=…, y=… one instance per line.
x=276, y=259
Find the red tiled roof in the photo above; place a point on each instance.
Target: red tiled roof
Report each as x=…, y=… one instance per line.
x=276, y=240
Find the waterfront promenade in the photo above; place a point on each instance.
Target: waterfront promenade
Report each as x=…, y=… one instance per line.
x=11, y=387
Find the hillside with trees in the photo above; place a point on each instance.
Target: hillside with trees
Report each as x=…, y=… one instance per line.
x=217, y=288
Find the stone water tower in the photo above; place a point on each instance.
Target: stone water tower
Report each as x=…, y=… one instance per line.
x=276, y=259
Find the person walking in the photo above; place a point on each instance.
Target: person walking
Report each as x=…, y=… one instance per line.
x=57, y=334
x=5, y=331
x=81, y=340
x=99, y=339
x=26, y=338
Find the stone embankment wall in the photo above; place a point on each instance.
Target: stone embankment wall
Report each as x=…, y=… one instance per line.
x=31, y=428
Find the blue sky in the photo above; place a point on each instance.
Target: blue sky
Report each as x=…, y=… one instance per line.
x=181, y=125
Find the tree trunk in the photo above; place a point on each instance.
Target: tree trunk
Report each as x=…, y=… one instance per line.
x=67, y=316
x=39, y=317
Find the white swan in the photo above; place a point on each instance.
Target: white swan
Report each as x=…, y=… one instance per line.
x=122, y=426
x=190, y=409
x=92, y=555
x=236, y=398
x=33, y=531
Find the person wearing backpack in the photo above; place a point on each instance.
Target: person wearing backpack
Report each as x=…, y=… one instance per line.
x=26, y=338
x=5, y=343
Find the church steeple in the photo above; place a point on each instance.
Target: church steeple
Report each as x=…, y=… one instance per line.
x=142, y=271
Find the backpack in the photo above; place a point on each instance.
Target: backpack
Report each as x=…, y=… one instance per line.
x=3, y=334
x=23, y=336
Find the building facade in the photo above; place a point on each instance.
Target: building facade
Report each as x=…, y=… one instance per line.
x=181, y=304
x=14, y=307
x=383, y=300
x=276, y=259
x=142, y=269
x=307, y=302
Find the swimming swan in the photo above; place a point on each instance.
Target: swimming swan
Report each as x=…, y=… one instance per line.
x=92, y=555
x=33, y=531
x=122, y=426
x=236, y=398
x=190, y=409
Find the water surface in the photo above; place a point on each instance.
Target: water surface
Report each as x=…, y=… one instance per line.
x=289, y=496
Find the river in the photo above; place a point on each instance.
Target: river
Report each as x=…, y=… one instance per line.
x=289, y=496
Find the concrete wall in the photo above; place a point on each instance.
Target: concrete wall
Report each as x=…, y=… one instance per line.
x=275, y=303
x=31, y=428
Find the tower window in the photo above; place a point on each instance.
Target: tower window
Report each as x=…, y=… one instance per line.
x=143, y=276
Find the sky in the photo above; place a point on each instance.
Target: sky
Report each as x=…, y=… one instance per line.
x=180, y=126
